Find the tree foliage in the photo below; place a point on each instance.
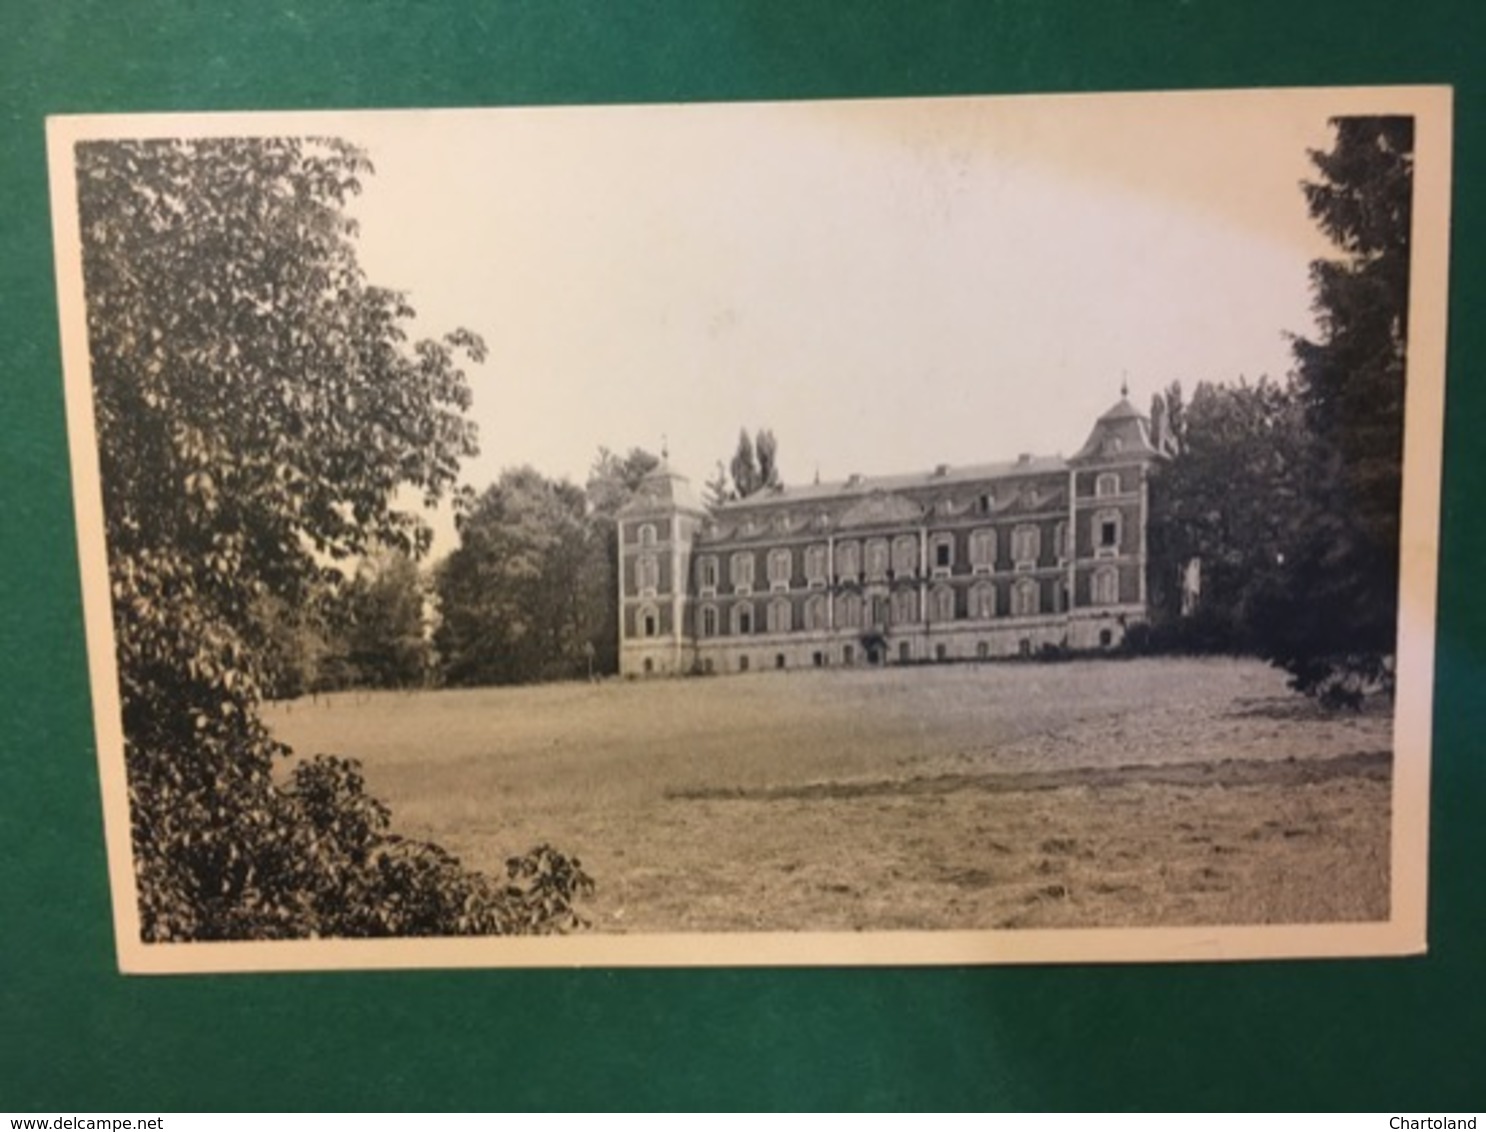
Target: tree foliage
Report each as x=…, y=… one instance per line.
x=1226, y=498
x=718, y=488
x=767, y=450
x=517, y=598
x=1331, y=617
x=753, y=468
x=1290, y=496
x=744, y=467
x=384, y=628
x=259, y=405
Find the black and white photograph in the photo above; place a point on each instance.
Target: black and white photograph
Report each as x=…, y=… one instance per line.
x=940, y=530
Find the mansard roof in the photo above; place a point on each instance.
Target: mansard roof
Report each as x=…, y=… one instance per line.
x=1121, y=432
x=663, y=489
x=863, y=486
x=881, y=507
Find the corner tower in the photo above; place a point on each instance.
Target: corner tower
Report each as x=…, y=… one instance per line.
x=1108, y=512
x=657, y=528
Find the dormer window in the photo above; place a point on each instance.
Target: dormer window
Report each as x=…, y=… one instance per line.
x=1107, y=484
x=647, y=534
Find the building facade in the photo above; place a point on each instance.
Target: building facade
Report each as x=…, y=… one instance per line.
x=953, y=564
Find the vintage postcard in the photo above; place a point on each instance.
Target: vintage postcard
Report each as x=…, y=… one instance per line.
x=957, y=530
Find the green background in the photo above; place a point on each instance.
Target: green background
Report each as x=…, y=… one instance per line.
x=75, y=1036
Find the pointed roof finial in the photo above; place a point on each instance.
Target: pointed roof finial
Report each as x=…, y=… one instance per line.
x=817, y=474
x=665, y=448
x=1124, y=383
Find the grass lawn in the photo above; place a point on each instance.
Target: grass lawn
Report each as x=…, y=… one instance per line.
x=1093, y=793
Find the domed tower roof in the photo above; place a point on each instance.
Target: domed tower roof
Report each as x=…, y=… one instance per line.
x=663, y=489
x=1120, y=432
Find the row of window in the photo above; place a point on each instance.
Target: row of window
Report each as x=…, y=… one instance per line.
x=853, y=611
x=1106, y=485
x=877, y=558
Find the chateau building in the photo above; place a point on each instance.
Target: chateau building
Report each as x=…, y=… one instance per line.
x=956, y=563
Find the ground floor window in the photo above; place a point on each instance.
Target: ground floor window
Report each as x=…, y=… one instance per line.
x=778, y=660
x=982, y=650
x=815, y=612
x=942, y=602
x=1106, y=638
x=707, y=666
x=1024, y=598
x=848, y=654
x=649, y=666
x=820, y=659
x=904, y=607
x=983, y=602
x=941, y=652
x=780, y=616
x=742, y=664
x=905, y=652
x=1106, y=586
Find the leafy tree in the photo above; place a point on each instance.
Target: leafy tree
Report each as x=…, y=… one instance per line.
x=300, y=651
x=613, y=479
x=258, y=407
x=1226, y=497
x=512, y=597
x=1330, y=618
x=385, y=638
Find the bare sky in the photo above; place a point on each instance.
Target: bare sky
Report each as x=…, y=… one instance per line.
x=889, y=285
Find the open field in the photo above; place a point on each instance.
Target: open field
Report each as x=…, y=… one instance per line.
x=1093, y=793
